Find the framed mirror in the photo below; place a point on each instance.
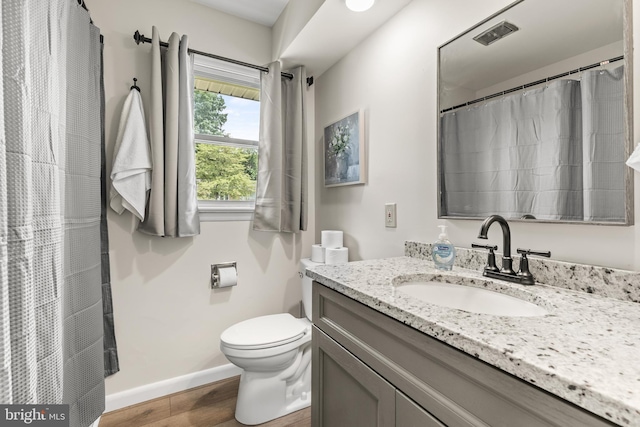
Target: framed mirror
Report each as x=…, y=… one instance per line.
x=535, y=115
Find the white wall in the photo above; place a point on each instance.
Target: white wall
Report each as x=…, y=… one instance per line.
x=290, y=22
x=392, y=75
x=587, y=58
x=168, y=320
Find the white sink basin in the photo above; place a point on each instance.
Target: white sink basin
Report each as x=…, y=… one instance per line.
x=468, y=298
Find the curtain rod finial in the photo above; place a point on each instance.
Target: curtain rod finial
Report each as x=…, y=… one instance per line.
x=137, y=37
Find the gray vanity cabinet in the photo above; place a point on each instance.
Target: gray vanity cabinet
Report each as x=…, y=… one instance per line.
x=410, y=414
x=371, y=370
x=351, y=394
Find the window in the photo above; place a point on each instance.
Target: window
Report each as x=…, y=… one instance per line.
x=226, y=127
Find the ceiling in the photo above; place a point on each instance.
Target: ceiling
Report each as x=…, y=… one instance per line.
x=334, y=31
x=264, y=12
x=329, y=34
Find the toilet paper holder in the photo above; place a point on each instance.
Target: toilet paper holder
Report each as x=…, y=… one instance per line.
x=215, y=272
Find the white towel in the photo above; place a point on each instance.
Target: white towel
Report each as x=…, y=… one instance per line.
x=131, y=171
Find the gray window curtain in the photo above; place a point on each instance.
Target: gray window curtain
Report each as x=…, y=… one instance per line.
x=553, y=152
x=281, y=193
x=172, y=209
x=51, y=327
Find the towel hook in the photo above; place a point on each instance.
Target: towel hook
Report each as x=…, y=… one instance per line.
x=135, y=85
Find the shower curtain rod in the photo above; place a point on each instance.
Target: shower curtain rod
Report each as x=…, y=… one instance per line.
x=140, y=38
x=528, y=85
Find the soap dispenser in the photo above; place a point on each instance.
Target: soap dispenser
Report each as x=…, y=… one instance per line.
x=444, y=254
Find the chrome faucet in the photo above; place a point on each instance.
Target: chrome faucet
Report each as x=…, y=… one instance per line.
x=524, y=276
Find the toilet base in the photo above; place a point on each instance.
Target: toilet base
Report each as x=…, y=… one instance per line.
x=265, y=396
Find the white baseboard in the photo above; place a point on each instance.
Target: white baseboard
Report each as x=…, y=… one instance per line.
x=172, y=385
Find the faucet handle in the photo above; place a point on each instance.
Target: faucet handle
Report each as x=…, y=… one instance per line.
x=526, y=278
x=489, y=247
x=525, y=252
x=491, y=261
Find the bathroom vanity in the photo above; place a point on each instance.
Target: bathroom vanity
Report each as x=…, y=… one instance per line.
x=384, y=358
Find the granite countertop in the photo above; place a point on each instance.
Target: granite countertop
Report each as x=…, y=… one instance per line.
x=585, y=350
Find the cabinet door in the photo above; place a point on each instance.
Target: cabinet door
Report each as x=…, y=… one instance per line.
x=409, y=414
x=345, y=392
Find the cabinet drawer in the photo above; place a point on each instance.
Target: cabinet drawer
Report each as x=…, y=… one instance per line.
x=457, y=389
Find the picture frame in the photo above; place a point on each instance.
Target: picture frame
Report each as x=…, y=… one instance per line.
x=344, y=151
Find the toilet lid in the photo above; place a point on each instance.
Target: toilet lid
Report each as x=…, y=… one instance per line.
x=264, y=332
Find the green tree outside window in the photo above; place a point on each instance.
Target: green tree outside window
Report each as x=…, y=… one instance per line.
x=222, y=173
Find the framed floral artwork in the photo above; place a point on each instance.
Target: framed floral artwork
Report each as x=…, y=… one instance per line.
x=344, y=160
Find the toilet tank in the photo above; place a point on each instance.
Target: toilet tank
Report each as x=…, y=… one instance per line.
x=306, y=283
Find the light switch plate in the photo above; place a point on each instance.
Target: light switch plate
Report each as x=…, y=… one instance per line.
x=390, y=215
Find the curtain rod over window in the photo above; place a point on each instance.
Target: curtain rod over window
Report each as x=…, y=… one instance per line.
x=140, y=38
x=528, y=85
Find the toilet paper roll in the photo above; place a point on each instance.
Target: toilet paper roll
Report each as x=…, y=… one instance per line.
x=335, y=256
x=332, y=238
x=227, y=276
x=317, y=253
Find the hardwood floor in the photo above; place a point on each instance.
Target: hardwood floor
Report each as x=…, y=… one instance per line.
x=212, y=405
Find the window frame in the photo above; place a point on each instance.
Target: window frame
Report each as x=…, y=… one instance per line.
x=225, y=210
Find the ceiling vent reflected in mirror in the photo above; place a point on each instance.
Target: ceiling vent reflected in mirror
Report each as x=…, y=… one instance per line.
x=496, y=33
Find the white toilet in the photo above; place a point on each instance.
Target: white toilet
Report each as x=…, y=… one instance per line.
x=275, y=354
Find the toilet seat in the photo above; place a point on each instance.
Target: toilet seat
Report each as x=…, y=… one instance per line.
x=264, y=332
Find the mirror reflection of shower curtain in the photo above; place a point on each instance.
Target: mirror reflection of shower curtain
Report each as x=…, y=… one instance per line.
x=525, y=153
x=603, y=145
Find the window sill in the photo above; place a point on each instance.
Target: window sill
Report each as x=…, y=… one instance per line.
x=211, y=211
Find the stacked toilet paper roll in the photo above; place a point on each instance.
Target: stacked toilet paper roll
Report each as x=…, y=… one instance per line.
x=330, y=249
x=317, y=253
x=332, y=239
x=336, y=256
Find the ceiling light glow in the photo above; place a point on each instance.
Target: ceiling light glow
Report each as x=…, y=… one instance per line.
x=359, y=5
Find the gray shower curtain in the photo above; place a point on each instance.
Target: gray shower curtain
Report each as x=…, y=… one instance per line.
x=553, y=152
x=51, y=327
x=111, y=361
x=281, y=193
x=83, y=346
x=30, y=212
